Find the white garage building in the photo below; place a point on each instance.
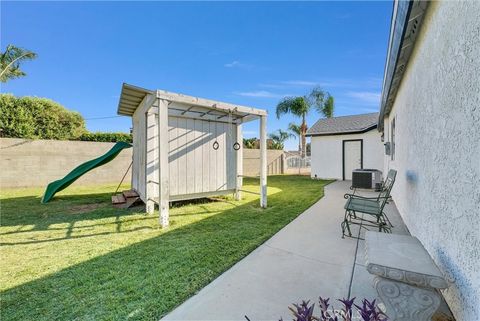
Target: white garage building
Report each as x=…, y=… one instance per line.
x=342, y=144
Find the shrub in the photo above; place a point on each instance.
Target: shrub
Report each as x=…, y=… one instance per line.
x=106, y=137
x=367, y=311
x=38, y=118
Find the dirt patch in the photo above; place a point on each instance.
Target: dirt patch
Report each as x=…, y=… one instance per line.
x=85, y=208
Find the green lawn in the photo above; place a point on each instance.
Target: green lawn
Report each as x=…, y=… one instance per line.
x=78, y=258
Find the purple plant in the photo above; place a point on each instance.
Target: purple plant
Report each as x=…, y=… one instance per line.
x=347, y=309
x=303, y=312
x=368, y=311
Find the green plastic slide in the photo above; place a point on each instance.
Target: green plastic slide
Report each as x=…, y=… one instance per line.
x=71, y=177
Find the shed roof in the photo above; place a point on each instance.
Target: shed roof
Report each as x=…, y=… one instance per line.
x=344, y=125
x=132, y=96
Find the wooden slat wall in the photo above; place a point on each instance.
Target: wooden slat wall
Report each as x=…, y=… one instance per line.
x=194, y=166
x=139, y=135
x=152, y=155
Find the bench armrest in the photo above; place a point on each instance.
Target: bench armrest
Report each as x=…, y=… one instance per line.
x=348, y=196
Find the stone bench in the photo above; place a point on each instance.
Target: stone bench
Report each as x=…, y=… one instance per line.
x=406, y=278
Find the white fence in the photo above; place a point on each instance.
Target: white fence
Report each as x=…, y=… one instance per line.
x=296, y=164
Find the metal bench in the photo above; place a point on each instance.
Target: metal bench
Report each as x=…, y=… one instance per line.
x=370, y=206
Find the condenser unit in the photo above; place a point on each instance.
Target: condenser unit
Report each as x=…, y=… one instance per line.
x=367, y=178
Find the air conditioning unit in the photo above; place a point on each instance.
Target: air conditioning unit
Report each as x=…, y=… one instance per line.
x=367, y=178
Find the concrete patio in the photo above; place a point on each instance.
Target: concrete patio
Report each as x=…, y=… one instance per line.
x=306, y=259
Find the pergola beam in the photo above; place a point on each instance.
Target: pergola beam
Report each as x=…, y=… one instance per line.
x=202, y=102
x=193, y=114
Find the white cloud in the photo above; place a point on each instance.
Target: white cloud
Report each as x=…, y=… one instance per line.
x=232, y=64
x=260, y=94
x=300, y=83
x=369, y=83
x=366, y=96
x=237, y=64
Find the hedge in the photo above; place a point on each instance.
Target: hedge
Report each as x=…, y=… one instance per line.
x=106, y=137
x=42, y=118
x=38, y=118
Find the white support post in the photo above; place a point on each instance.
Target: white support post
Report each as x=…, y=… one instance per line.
x=239, y=171
x=163, y=170
x=149, y=161
x=263, y=161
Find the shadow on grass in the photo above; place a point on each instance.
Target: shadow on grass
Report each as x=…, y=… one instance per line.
x=146, y=280
x=28, y=210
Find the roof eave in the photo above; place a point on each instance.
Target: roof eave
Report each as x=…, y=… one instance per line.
x=361, y=131
x=406, y=22
x=130, y=97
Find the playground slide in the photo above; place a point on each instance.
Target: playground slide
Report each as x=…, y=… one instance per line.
x=71, y=177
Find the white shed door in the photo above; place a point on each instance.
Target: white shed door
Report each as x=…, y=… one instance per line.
x=352, y=157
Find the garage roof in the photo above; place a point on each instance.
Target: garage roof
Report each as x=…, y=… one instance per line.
x=344, y=125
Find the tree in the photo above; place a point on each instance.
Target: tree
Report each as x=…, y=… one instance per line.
x=328, y=107
x=250, y=143
x=278, y=138
x=300, y=106
x=296, y=131
x=10, y=62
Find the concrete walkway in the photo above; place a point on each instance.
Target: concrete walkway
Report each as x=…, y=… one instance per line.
x=306, y=259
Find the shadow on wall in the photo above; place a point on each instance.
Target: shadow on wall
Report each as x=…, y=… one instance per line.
x=452, y=273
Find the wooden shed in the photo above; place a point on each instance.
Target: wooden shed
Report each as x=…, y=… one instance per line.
x=187, y=147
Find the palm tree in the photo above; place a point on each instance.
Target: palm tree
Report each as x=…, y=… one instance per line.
x=10, y=62
x=301, y=106
x=295, y=130
x=328, y=107
x=278, y=138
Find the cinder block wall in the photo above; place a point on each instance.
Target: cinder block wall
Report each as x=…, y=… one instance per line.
x=29, y=163
x=32, y=163
x=251, y=162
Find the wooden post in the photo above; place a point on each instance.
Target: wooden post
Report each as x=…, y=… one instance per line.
x=239, y=171
x=163, y=170
x=149, y=163
x=263, y=161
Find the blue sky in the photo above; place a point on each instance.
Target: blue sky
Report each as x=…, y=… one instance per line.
x=251, y=53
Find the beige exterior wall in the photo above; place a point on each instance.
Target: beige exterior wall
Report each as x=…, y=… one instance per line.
x=437, y=148
x=29, y=163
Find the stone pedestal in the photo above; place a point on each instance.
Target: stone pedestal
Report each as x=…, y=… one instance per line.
x=406, y=279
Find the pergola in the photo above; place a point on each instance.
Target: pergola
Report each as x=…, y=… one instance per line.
x=177, y=139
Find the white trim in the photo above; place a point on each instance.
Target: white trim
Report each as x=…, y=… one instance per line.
x=163, y=166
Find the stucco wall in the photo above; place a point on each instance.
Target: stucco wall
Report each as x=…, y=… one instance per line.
x=437, y=156
x=28, y=163
x=327, y=153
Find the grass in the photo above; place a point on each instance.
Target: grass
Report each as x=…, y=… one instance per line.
x=78, y=258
